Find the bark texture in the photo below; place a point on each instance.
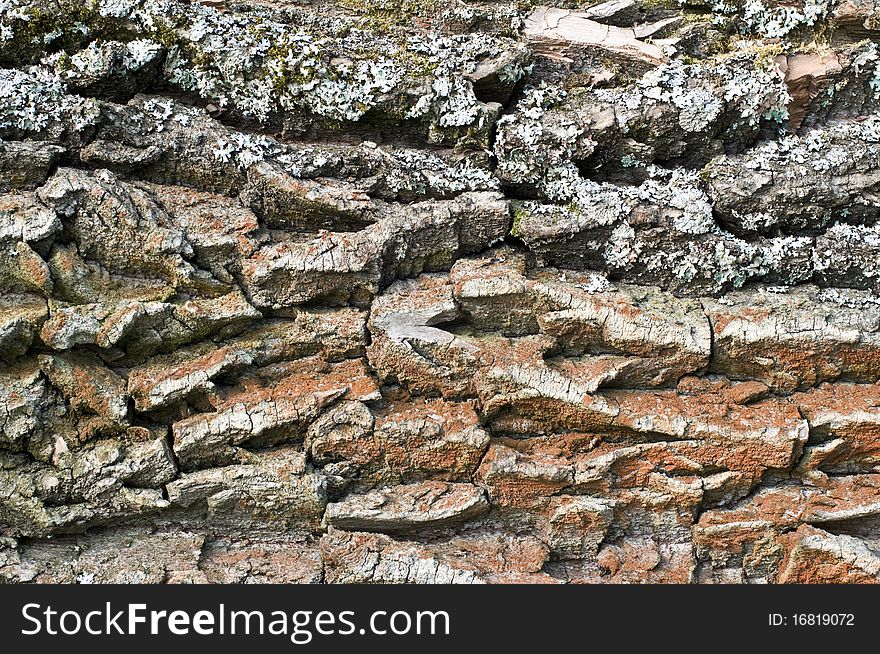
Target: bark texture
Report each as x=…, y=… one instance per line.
x=439, y=291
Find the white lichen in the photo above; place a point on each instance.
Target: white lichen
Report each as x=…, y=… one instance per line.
x=34, y=99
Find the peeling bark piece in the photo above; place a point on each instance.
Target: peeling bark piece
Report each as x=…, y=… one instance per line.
x=179, y=324
x=344, y=435
x=774, y=510
x=71, y=326
x=516, y=379
x=341, y=333
x=714, y=434
x=407, y=441
x=24, y=218
x=437, y=440
x=172, y=379
x=139, y=459
x=846, y=94
x=802, y=182
x=729, y=449
x=496, y=294
x=814, y=556
x=274, y=490
x=334, y=334
x=499, y=556
x=796, y=339
x=26, y=401
x=411, y=507
x=560, y=34
x=424, y=236
x=264, y=415
x=98, y=484
x=608, y=12
x=22, y=512
x=152, y=460
x=744, y=393
x=127, y=503
x=807, y=74
x=221, y=231
x=79, y=281
x=114, y=556
x=255, y=559
x=25, y=165
x=20, y=319
x=522, y=481
x=751, y=540
x=285, y=202
x=658, y=338
x=88, y=385
x=145, y=327
x=117, y=225
x=844, y=422
x=487, y=557
x=262, y=418
x=501, y=372
x=578, y=525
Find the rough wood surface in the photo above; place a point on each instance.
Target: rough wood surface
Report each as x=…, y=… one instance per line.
x=439, y=291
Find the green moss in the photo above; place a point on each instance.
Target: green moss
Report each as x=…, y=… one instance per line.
x=165, y=34
x=385, y=16
x=658, y=4
x=398, y=106
x=577, y=81
x=706, y=174
x=414, y=63
x=28, y=42
x=623, y=75
x=64, y=63
x=765, y=59
x=518, y=214
x=694, y=17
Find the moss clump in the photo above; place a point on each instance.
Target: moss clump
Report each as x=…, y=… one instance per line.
x=658, y=4
x=519, y=213
x=706, y=174
x=70, y=26
x=384, y=16
x=420, y=64
x=765, y=57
